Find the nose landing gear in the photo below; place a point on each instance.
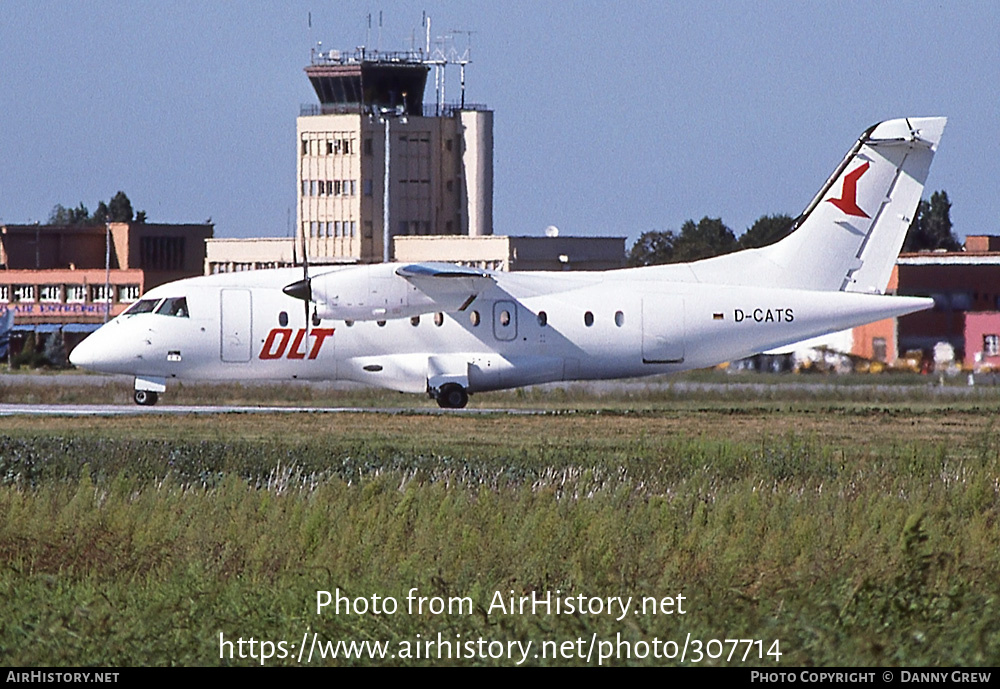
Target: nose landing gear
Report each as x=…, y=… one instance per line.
x=148, y=389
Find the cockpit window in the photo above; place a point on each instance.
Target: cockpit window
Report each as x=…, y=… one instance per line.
x=142, y=306
x=175, y=306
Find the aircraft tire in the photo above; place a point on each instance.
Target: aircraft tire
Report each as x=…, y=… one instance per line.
x=452, y=396
x=146, y=398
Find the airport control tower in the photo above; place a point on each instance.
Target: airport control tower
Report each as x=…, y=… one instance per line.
x=375, y=161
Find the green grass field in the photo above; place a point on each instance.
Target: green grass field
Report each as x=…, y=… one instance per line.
x=853, y=530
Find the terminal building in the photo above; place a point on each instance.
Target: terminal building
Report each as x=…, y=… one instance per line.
x=72, y=278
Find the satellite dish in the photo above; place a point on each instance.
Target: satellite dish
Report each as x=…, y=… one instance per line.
x=551, y=231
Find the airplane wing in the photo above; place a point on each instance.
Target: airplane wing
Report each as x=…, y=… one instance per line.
x=384, y=290
x=447, y=284
x=440, y=270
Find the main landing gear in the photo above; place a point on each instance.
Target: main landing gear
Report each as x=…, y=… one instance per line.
x=146, y=398
x=452, y=396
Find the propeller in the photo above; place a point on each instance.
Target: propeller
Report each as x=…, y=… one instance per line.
x=302, y=289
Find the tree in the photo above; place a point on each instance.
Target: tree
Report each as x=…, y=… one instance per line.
x=652, y=248
x=766, y=230
x=120, y=208
x=101, y=214
x=710, y=237
x=931, y=226
x=704, y=239
x=69, y=216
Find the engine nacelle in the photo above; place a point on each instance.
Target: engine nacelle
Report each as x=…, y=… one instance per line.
x=377, y=293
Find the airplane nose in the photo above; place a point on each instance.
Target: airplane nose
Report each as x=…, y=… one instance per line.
x=83, y=355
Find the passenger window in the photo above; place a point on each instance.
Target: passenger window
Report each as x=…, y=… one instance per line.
x=474, y=318
x=415, y=321
x=588, y=319
x=619, y=318
x=283, y=319
x=176, y=306
x=505, y=318
x=439, y=319
x=543, y=318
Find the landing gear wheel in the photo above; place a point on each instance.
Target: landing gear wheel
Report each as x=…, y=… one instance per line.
x=452, y=396
x=146, y=398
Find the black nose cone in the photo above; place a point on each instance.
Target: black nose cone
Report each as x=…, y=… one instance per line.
x=300, y=290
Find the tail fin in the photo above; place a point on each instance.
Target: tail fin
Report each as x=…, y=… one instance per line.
x=849, y=236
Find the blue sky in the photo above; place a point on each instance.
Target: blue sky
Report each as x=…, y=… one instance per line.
x=611, y=118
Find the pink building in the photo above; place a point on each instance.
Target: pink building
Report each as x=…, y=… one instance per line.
x=982, y=340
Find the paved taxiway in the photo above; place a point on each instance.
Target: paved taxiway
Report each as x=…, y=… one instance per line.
x=167, y=409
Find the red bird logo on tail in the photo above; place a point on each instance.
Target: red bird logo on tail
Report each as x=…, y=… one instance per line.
x=848, y=201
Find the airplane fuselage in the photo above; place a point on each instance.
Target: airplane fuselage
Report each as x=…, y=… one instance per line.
x=525, y=328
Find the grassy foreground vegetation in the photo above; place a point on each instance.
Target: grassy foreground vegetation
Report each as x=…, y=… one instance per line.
x=855, y=532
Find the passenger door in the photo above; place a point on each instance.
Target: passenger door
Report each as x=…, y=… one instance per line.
x=236, y=316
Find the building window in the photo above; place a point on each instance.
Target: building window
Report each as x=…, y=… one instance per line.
x=368, y=229
x=23, y=293
x=367, y=187
x=50, y=293
x=329, y=148
x=368, y=146
x=336, y=188
x=100, y=293
x=879, y=349
x=354, y=227
x=991, y=345
x=4, y=292
x=127, y=293
x=76, y=293
x=305, y=147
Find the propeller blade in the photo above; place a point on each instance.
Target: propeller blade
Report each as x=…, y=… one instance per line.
x=305, y=277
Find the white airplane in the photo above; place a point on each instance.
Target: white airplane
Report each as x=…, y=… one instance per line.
x=449, y=331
